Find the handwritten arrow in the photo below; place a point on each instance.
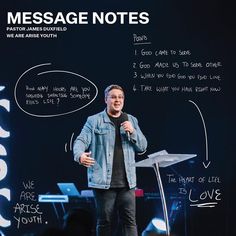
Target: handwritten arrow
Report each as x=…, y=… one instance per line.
x=205, y=163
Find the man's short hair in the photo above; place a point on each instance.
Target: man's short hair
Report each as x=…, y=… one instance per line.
x=110, y=87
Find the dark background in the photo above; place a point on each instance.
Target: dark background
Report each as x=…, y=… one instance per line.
x=104, y=54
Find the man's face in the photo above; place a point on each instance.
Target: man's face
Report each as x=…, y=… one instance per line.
x=114, y=101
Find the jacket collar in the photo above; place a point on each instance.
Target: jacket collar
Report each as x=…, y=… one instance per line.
x=106, y=117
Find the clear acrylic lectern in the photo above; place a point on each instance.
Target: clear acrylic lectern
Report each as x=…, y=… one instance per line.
x=163, y=159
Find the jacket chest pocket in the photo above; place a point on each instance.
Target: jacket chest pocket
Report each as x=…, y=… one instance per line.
x=101, y=136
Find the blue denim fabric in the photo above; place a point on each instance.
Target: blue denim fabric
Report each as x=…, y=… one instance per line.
x=98, y=136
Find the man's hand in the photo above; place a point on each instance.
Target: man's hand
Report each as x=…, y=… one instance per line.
x=86, y=159
x=128, y=127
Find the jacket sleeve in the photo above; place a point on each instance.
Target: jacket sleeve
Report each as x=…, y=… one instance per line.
x=82, y=142
x=137, y=137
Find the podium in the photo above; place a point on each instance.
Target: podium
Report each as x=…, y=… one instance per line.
x=163, y=159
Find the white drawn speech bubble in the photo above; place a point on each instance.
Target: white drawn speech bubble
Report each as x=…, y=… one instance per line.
x=43, y=92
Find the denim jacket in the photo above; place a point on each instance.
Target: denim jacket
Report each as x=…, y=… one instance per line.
x=98, y=136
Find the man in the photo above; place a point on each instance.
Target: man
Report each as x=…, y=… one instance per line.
x=106, y=146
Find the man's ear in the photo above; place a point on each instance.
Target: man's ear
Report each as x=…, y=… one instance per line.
x=105, y=100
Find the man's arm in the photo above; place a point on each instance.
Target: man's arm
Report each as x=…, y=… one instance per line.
x=137, y=137
x=81, y=144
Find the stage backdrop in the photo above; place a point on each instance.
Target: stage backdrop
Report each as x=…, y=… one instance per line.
x=175, y=61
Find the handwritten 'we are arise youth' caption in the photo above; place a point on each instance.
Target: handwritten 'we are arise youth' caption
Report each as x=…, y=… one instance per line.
x=27, y=210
